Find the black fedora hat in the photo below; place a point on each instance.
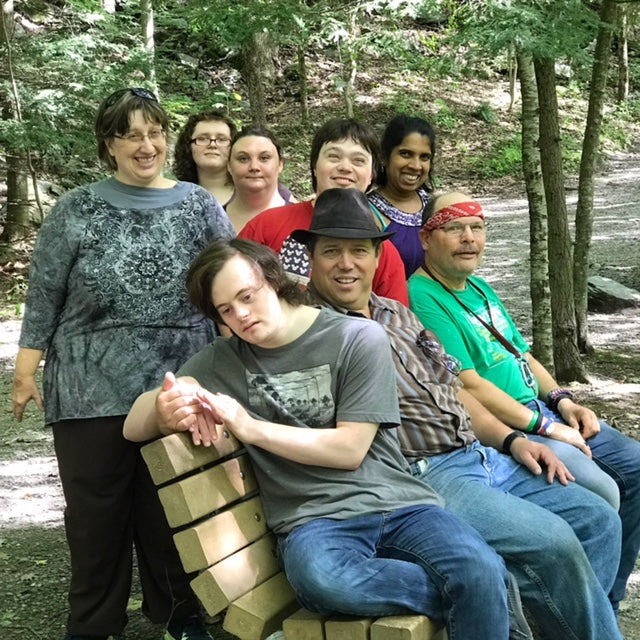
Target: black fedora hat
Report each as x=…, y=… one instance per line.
x=341, y=213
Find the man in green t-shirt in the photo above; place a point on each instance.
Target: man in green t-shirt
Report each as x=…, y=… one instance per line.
x=499, y=370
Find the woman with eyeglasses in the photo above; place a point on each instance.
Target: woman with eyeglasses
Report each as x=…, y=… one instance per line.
x=201, y=153
x=107, y=306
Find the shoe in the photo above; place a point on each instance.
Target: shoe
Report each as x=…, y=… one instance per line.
x=186, y=629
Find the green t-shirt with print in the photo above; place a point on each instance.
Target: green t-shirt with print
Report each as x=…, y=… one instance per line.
x=465, y=337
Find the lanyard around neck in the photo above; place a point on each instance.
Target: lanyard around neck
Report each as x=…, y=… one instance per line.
x=489, y=327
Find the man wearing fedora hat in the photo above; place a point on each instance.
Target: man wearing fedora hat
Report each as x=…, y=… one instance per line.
x=489, y=476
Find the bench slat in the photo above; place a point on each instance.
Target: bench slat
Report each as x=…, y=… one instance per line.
x=221, y=535
x=207, y=491
x=404, y=628
x=260, y=612
x=304, y=625
x=348, y=629
x=175, y=455
x=236, y=575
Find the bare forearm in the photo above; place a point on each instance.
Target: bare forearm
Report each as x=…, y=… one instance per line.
x=27, y=362
x=343, y=447
x=142, y=423
x=501, y=405
x=489, y=430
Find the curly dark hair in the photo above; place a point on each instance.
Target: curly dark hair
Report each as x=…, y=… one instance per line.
x=184, y=168
x=395, y=132
x=211, y=260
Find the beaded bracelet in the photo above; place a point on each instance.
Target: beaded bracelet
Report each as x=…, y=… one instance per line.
x=555, y=395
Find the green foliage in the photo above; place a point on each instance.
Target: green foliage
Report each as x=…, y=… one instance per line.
x=445, y=117
x=618, y=124
x=505, y=158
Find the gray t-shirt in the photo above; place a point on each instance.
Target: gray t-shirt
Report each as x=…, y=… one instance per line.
x=340, y=369
x=107, y=298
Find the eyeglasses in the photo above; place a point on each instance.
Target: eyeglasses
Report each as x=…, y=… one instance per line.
x=435, y=352
x=136, y=137
x=205, y=141
x=136, y=91
x=457, y=229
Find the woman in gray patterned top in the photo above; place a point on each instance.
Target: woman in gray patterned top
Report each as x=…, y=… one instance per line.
x=108, y=306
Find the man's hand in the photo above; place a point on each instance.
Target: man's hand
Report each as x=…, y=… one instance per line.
x=535, y=455
x=572, y=436
x=24, y=390
x=228, y=412
x=179, y=409
x=580, y=418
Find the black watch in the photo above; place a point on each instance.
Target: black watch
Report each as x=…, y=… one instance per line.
x=508, y=441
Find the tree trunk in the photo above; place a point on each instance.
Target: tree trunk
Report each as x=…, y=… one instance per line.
x=542, y=346
x=304, y=87
x=148, y=39
x=566, y=356
x=256, y=66
x=590, y=147
x=17, y=220
x=623, y=55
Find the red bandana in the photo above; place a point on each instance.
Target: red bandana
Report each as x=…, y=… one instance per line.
x=459, y=210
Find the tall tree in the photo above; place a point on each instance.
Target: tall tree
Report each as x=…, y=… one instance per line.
x=542, y=346
x=17, y=216
x=148, y=38
x=566, y=356
x=590, y=147
x=623, y=53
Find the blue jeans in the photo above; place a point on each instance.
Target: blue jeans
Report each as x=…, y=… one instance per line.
x=618, y=456
x=418, y=559
x=561, y=543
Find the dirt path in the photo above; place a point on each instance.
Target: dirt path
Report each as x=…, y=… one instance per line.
x=33, y=556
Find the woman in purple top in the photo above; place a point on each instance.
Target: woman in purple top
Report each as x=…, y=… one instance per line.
x=404, y=185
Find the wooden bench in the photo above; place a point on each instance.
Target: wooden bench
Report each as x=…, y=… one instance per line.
x=210, y=497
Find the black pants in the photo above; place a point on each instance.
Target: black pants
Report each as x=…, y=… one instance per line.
x=113, y=505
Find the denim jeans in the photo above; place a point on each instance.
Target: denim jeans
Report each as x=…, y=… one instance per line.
x=419, y=559
x=561, y=543
x=619, y=457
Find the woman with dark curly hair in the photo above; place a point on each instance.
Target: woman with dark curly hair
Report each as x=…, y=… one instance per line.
x=202, y=150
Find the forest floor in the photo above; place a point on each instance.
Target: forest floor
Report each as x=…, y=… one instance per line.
x=34, y=562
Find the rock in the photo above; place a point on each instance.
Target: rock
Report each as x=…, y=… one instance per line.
x=607, y=296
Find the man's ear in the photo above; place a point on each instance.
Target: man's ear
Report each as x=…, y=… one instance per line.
x=424, y=238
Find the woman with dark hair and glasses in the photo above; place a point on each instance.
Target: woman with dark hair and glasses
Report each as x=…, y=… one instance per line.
x=108, y=306
x=201, y=153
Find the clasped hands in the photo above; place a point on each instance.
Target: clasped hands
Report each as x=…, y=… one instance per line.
x=183, y=405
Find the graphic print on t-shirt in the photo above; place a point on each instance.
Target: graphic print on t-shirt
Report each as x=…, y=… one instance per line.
x=294, y=398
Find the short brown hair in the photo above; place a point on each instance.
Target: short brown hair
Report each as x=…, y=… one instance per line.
x=345, y=129
x=114, y=115
x=211, y=260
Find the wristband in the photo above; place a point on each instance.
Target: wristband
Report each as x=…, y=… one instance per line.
x=555, y=395
x=534, y=420
x=547, y=428
x=537, y=425
x=508, y=441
